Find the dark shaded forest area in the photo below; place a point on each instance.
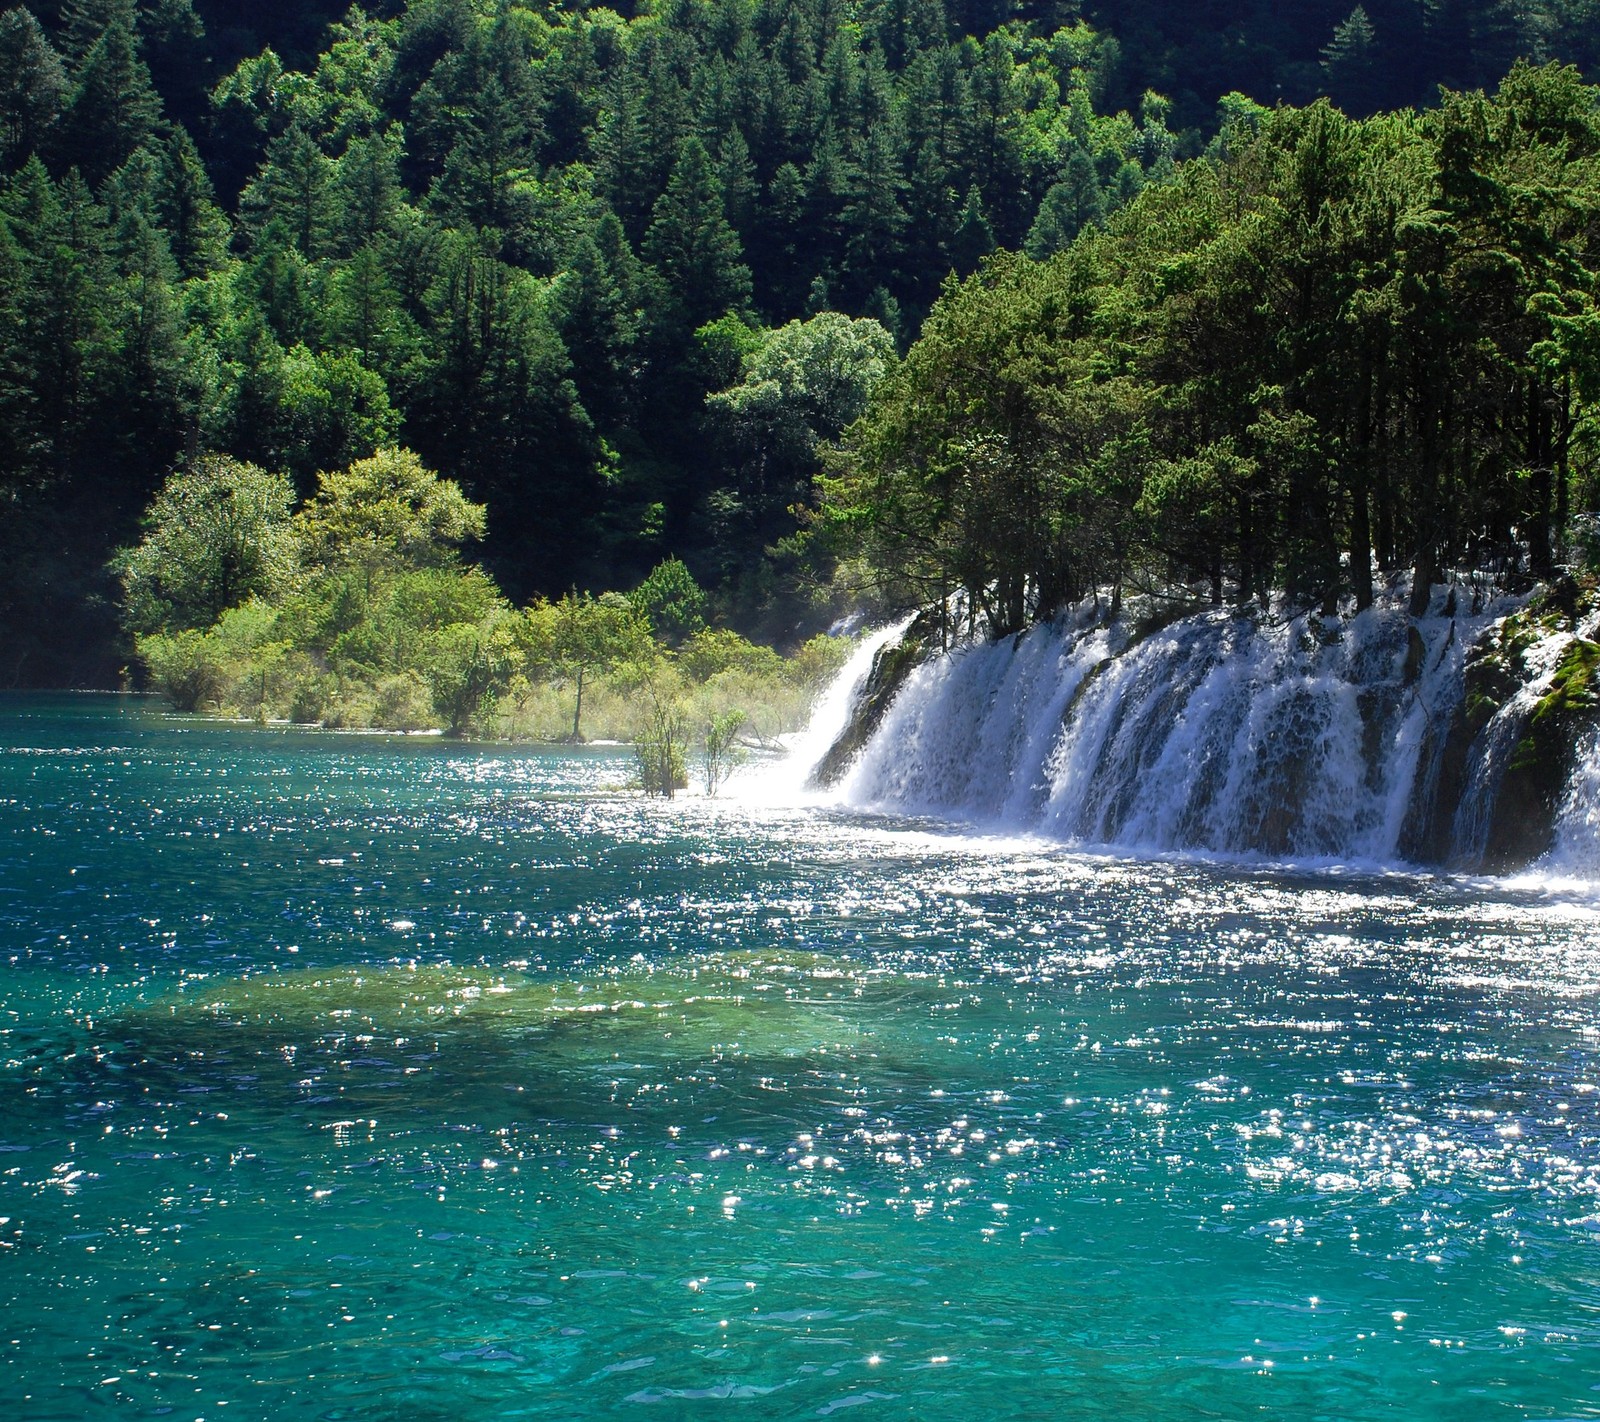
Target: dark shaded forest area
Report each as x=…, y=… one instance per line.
x=573, y=257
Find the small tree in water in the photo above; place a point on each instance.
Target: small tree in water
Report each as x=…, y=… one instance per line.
x=721, y=750
x=662, y=743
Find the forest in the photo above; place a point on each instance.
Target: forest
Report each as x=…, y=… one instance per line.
x=625, y=276
x=1336, y=353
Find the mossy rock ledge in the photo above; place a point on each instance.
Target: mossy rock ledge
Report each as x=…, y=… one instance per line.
x=891, y=667
x=1551, y=736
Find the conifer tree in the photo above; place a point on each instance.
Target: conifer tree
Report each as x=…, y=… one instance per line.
x=974, y=237
x=33, y=85
x=1349, y=61
x=695, y=252
x=1073, y=203
x=294, y=190
x=367, y=194
x=114, y=106
x=186, y=209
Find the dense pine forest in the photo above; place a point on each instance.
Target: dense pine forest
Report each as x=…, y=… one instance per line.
x=626, y=276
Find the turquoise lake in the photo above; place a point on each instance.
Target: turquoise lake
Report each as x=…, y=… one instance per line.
x=371, y=1077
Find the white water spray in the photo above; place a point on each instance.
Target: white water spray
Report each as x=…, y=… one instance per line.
x=789, y=778
x=1304, y=739
x=1577, y=848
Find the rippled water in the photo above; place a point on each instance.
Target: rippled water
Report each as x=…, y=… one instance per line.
x=357, y=1077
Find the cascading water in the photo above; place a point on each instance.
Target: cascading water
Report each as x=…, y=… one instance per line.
x=790, y=777
x=1577, y=847
x=1307, y=738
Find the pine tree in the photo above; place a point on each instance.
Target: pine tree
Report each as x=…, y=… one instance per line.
x=153, y=389
x=278, y=284
x=114, y=105
x=186, y=208
x=597, y=323
x=1073, y=203
x=974, y=237
x=65, y=308
x=622, y=166
x=32, y=87
x=367, y=193
x=19, y=443
x=294, y=190
x=737, y=177
x=1350, y=65
x=362, y=313
x=873, y=218
x=82, y=22
x=695, y=253
x=827, y=188
x=775, y=254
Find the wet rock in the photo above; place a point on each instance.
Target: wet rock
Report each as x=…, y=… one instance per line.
x=890, y=668
x=1535, y=784
x=1548, y=733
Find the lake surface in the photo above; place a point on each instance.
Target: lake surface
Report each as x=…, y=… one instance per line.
x=364, y=1077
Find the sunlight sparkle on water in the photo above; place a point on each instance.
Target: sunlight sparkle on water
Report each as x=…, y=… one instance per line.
x=377, y=1075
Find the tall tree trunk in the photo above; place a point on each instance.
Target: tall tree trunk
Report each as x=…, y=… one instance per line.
x=1540, y=560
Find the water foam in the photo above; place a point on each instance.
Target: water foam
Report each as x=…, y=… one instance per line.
x=787, y=781
x=1303, y=739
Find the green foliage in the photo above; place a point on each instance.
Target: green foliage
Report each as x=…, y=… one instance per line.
x=1328, y=344
x=216, y=535
x=714, y=650
x=185, y=668
x=720, y=748
x=581, y=637
x=388, y=511
x=661, y=741
x=467, y=665
x=671, y=602
x=497, y=231
x=33, y=84
x=510, y=236
x=354, y=609
x=797, y=390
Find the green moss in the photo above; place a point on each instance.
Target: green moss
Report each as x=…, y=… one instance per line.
x=1572, y=688
x=1571, y=698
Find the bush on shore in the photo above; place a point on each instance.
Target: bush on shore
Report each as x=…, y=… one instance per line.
x=357, y=610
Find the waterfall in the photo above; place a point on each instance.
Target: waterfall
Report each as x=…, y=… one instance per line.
x=1577, y=847
x=790, y=777
x=1303, y=738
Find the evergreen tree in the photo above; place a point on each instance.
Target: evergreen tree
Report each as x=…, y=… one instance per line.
x=1349, y=61
x=695, y=252
x=737, y=179
x=114, y=106
x=367, y=194
x=82, y=22
x=294, y=192
x=974, y=237
x=873, y=218
x=597, y=322
x=185, y=208
x=1073, y=203
x=33, y=85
